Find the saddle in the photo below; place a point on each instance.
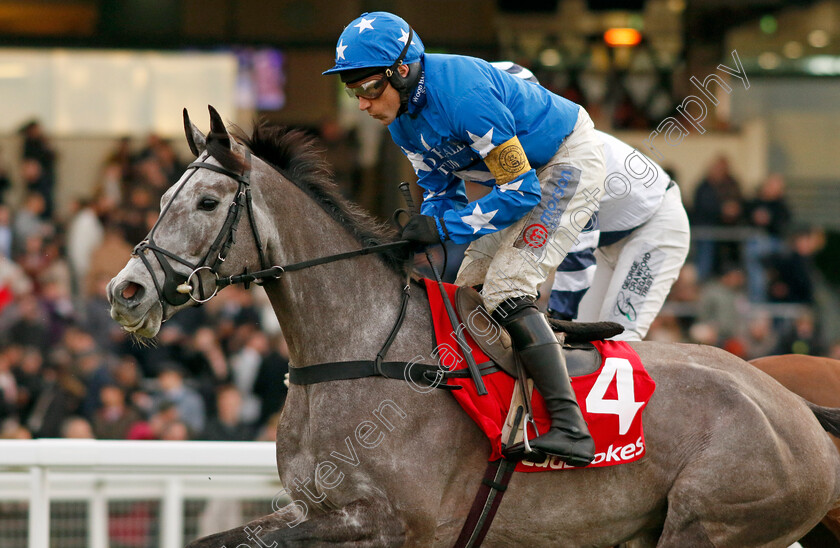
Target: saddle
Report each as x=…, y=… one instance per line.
x=582, y=357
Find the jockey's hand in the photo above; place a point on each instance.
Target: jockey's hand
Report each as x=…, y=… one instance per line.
x=422, y=230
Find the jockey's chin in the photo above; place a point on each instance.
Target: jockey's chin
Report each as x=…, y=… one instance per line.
x=385, y=120
x=383, y=115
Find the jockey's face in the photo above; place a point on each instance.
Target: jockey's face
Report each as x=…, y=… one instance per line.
x=385, y=107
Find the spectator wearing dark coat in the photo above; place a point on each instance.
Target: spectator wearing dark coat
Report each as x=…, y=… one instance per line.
x=770, y=214
x=791, y=272
x=718, y=202
x=269, y=386
x=38, y=164
x=114, y=419
x=227, y=425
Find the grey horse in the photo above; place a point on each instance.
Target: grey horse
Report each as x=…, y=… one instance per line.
x=733, y=459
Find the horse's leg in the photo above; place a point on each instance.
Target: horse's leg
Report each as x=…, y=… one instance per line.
x=820, y=536
x=645, y=539
x=680, y=534
x=359, y=524
x=829, y=538
x=246, y=533
x=683, y=526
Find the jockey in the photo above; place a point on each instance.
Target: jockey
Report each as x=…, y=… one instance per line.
x=457, y=118
x=639, y=242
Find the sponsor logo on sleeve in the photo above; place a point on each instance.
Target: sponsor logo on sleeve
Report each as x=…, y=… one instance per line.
x=557, y=189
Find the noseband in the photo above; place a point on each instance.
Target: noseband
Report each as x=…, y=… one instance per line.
x=177, y=288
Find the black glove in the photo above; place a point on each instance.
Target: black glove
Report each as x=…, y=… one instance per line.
x=421, y=229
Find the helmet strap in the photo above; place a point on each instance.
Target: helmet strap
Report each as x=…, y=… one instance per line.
x=393, y=69
x=396, y=79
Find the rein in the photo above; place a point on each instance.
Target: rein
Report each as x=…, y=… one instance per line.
x=275, y=272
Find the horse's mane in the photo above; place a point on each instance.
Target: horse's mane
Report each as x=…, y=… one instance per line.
x=299, y=158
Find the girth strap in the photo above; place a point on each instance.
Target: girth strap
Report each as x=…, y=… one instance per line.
x=339, y=371
x=484, y=368
x=431, y=375
x=486, y=502
x=489, y=496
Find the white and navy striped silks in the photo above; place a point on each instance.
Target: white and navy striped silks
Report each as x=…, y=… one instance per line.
x=632, y=193
x=575, y=274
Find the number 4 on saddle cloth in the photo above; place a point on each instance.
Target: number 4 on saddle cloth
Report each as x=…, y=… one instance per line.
x=610, y=383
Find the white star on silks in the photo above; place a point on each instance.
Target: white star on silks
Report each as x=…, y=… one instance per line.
x=339, y=51
x=514, y=186
x=365, y=24
x=433, y=194
x=479, y=220
x=416, y=160
x=404, y=37
x=425, y=144
x=484, y=144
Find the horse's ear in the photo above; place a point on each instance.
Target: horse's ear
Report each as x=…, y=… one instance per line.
x=195, y=138
x=217, y=127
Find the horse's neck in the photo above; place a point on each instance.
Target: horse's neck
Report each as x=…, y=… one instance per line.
x=340, y=311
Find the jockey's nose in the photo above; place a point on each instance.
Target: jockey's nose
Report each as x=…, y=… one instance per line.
x=364, y=104
x=127, y=294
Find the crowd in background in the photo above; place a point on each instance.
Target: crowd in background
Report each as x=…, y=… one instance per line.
x=216, y=372
x=751, y=284
x=68, y=370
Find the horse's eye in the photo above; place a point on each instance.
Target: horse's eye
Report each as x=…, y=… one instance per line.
x=208, y=204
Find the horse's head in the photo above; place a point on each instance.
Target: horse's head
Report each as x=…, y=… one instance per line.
x=191, y=244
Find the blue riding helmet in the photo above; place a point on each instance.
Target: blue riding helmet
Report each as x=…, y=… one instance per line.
x=376, y=40
x=379, y=42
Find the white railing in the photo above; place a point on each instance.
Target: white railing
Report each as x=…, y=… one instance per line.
x=96, y=471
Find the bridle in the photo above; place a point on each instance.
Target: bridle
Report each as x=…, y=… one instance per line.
x=178, y=288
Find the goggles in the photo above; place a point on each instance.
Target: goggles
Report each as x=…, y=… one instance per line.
x=368, y=89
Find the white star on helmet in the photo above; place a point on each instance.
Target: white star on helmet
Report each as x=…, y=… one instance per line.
x=365, y=24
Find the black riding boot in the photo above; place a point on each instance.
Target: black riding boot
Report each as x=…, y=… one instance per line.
x=540, y=353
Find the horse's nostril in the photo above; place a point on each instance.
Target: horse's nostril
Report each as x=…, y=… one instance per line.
x=131, y=290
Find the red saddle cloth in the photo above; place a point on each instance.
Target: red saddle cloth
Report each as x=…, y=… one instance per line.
x=6, y=296
x=611, y=398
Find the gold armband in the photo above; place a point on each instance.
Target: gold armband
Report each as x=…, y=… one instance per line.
x=507, y=161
